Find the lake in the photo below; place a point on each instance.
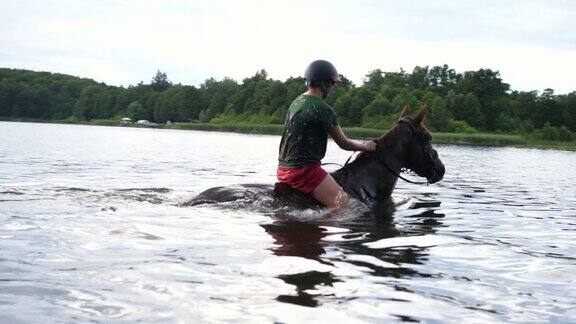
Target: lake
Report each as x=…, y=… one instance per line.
x=91, y=230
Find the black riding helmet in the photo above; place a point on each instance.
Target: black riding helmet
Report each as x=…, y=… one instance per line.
x=320, y=70
x=323, y=74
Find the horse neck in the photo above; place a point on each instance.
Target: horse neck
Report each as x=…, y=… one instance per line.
x=367, y=177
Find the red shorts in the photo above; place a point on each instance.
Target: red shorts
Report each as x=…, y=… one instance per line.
x=304, y=179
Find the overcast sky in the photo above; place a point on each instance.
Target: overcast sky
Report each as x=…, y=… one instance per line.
x=122, y=42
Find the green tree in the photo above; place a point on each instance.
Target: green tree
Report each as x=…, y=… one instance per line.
x=460, y=102
x=84, y=107
x=440, y=116
x=548, y=109
x=360, y=98
x=568, y=103
x=443, y=79
x=6, y=98
x=104, y=104
x=244, y=99
x=160, y=82
x=216, y=96
x=374, y=80
x=136, y=111
x=525, y=105
x=466, y=108
x=405, y=97
x=171, y=106
x=419, y=78
x=488, y=87
x=193, y=102
x=395, y=79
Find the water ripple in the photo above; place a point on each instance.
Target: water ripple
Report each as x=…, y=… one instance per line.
x=94, y=234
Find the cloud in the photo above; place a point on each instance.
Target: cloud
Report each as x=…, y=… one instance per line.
x=123, y=42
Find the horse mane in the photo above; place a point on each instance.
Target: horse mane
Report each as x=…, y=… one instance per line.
x=388, y=141
x=385, y=143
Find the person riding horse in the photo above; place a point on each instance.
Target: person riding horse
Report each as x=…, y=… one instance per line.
x=308, y=123
x=370, y=178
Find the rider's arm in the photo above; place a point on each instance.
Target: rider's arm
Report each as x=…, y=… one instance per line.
x=346, y=144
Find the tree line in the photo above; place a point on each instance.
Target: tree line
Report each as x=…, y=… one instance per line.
x=466, y=102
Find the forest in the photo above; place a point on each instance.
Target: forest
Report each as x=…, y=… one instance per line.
x=467, y=102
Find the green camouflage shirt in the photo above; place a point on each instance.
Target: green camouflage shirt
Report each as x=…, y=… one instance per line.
x=306, y=129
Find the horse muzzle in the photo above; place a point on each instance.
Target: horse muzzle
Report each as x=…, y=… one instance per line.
x=437, y=172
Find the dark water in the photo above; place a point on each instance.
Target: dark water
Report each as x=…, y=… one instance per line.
x=90, y=230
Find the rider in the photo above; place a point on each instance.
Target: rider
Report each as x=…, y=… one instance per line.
x=308, y=123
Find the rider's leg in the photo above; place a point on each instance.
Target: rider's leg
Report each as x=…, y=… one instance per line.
x=331, y=195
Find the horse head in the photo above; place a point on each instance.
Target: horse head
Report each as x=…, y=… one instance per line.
x=418, y=154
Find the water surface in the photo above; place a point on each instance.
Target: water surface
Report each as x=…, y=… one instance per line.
x=90, y=230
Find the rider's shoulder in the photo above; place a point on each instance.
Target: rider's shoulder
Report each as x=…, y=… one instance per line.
x=328, y=108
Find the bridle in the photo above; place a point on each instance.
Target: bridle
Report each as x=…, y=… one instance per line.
x=425, y=140
x=422, y=137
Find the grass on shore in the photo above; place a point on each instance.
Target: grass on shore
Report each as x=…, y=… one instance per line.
x=97, y=122
x=361, y=133
x=237, y=128
x=366, y=133
x=352, y=132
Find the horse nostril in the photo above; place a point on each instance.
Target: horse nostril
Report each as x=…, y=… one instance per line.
x=435, y=177
x=440, y=171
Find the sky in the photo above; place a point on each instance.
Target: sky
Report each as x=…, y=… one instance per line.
x=122, y=42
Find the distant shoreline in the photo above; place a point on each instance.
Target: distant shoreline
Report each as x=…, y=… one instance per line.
x=482, y=139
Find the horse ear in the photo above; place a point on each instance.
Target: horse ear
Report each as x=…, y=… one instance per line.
x=406, y=111
x=422, y=114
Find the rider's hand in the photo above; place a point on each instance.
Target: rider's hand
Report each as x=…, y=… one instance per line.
x=369, y=146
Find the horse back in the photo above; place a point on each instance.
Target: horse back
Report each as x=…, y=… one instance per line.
x=293, y=197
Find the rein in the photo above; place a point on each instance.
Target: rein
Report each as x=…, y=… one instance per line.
x=387, y=167
x=398, y=174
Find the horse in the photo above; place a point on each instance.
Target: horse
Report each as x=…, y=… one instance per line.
x=370, y=177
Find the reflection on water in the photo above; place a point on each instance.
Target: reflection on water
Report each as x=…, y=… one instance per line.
x=358, y=242
x=91, y=230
